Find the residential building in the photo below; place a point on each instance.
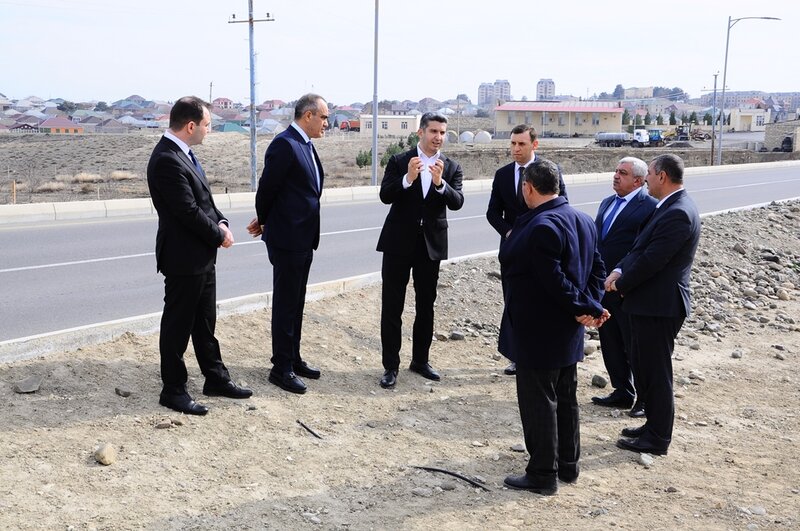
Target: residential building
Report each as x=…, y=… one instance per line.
x=559, y=118
x=753, y=119
x=390, y=125
x=486, y=95
x=638, y=92
x=60, y=125
x=545, y=89
x=222, y=103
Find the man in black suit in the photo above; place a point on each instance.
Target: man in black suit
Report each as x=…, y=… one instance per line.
x=506, y=203
x=555, y=281
x=653, y=281
x=287, y=208
x=190, y=230
x=618, y=220
x=420, y=184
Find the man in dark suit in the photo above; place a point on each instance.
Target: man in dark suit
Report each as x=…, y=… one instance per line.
x=287, y=206
x=420, y=184
x=190, y=229
x=506, y=202
x=555, y=281
x=653, y=281
x=618, y=220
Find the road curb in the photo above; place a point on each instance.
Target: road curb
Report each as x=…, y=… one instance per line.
x=72, y=339
x=83, y=210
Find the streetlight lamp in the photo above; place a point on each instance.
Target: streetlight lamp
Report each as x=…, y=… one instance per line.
x=731, y=22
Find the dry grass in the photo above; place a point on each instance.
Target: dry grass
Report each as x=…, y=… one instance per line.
x=84, y=177
x=120, y=175
x=54, y=186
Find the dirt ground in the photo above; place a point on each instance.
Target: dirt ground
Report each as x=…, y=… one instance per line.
x=49, y=168
x=250, y=464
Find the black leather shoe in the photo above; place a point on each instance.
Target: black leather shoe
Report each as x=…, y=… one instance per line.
x=288, y=381
x=633, y=432
x=306, y=371
x=637, y=411
x=511, y=370
x=227, y=389
x=389, y=379
x=425, y=370
x=182, y=403
x=635, y=446
x=568, y=474
x=613, y=400
x=524, y=483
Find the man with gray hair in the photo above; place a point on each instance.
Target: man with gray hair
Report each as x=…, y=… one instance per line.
x=618, y=221
x=287, y=206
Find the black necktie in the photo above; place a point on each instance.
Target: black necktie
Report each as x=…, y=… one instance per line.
x=520, y=197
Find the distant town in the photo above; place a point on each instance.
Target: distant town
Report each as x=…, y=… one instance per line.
x=551, y=114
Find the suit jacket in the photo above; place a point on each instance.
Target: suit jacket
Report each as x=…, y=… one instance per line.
x=287, y=200
x=410, y=210
x=622, y=233
x=655, y=274
x=554, y=274
x=504, y=207
x=188, y=220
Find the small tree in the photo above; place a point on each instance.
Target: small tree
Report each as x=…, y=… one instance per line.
x=364, y=159
x=659, y=119
x=707, y=119
x=693, y=118
x=412, y=140
x=626, y=117
x=672, y=119
x=619, y=92
x=101, y=106
x=638, y=119
x=67, y=107
x=648, y=119
x=392, y=150
x=684, y=118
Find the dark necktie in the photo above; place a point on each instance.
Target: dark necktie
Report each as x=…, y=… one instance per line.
x=520, y=197
x=313, y=162
x=196, y=162
x=610, y=217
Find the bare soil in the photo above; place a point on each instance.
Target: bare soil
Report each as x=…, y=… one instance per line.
x=250, y=465
x=52, y=168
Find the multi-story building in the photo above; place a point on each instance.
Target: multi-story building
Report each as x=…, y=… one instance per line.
x=545, y=89
x=490, y=94
x=486, y=94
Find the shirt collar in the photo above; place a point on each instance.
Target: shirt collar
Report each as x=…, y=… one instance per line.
x=302, y=133
x=423, y=156
x=181, y=144
x=670, y=195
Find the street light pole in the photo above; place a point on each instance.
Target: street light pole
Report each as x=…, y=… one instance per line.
x=731, y=22
x=713, y=116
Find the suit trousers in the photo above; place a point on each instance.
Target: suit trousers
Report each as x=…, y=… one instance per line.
x=289, y=279
x=395, y=272
x=548, y=407
x=190, y=310
x=615, y=339
x=652, y=343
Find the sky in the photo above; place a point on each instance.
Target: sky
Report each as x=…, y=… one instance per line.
x=86, y=50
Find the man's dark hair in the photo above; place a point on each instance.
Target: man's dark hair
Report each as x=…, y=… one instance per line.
x=307, y=102
x=524, y=129
x=670, y=164
x=187, y=109
x=543, y=176
x=429, y=117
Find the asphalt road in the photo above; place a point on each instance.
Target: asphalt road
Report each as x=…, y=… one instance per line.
x=59, y=275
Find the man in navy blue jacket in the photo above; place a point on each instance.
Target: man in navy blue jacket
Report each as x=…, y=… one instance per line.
x=287, y=205
x=555, y=282
x=618, y=220
x=653, y=281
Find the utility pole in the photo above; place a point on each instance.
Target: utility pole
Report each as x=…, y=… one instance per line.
x=210, y=86
x=250, y=20
x=375, y=103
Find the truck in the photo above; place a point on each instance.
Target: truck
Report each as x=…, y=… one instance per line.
x=639, y=138
x=350, y=125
